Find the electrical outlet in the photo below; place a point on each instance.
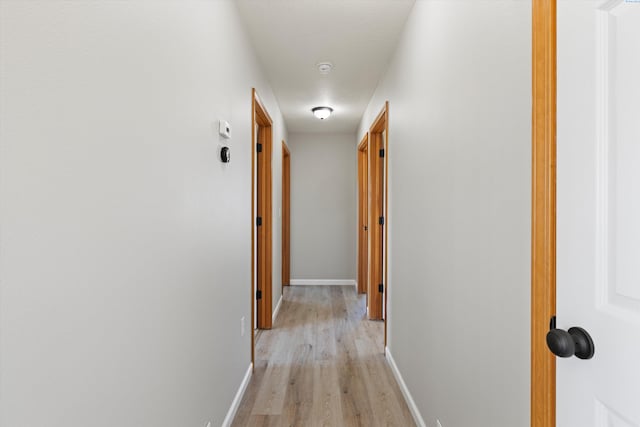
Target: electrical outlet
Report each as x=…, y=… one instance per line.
x=438, y=423
x=242, y=326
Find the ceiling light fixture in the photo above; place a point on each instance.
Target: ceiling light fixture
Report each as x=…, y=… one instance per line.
x=324, y=67
x=322, y=112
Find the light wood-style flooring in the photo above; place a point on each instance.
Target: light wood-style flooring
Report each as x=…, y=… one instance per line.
x=322, y=364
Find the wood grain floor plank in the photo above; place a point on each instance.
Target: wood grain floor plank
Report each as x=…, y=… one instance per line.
x=322, y=365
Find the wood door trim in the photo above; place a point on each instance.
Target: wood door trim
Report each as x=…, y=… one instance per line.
x=362, y=145
x=543, y=211
x=261, y=118
x=286, y=214
x=378, y=238
x=374, y=231
x=379, y=125
x=252, y=225
x=386, y=214
x=362, y=214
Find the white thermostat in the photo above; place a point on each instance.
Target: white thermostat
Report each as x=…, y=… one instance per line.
x=225, y=129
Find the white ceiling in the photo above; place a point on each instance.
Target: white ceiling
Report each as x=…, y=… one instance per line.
x=292, y=36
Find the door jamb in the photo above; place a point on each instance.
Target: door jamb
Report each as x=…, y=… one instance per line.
x=380, y=125
x=261, y=165
x=363, y=199
x=286, y=215
x=543, y=209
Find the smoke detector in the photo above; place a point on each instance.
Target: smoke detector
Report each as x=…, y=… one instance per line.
x=324, y=67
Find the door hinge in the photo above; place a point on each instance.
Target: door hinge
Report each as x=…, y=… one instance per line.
x=381, y=288
x=259, y=148
x=381, y=220
x=258, y=294
x=382, y=152
x=259, y=221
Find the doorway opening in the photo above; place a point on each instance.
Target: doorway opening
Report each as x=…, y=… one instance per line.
x=377, y=209
x=261, y=226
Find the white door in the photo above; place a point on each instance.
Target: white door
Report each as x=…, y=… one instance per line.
x=598, y=229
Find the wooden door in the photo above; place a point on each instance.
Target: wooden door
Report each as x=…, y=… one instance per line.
x=377, y=220
x=598, y=210
x=363, y=221
x=262, y=223
x=286, y=214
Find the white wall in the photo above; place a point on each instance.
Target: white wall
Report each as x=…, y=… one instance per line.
x=459, y=91
x=323, y=206
x=125, y=243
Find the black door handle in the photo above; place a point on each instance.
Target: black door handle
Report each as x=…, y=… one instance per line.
x=574, y=342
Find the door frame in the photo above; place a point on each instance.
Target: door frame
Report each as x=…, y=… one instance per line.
x=286, y=215
x=543, y=211
x=377, y=207
x=363, y=255
x=262, y=235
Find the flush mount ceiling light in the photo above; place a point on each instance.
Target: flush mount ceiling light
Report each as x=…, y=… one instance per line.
x=324, y=67
x=322, y=112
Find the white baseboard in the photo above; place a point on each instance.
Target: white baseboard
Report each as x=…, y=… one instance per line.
x=417, y=417
x=323, y=282
x=276, y=311
x=238, y=398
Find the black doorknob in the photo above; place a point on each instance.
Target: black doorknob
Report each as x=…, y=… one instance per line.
x=576, y=342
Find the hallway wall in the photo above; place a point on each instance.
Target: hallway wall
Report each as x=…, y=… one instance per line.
x=459, y=88
x=323, y=206
x=125, y=243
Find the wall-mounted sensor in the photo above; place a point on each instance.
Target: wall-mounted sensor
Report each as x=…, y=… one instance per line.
x=225, y=155
x=225, y=129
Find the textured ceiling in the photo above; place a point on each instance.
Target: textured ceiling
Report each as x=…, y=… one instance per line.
x=292, y=36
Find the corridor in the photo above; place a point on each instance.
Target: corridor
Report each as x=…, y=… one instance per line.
x=322, y=365
x=167, y=168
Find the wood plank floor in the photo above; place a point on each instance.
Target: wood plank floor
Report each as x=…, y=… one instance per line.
x=322, y=364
